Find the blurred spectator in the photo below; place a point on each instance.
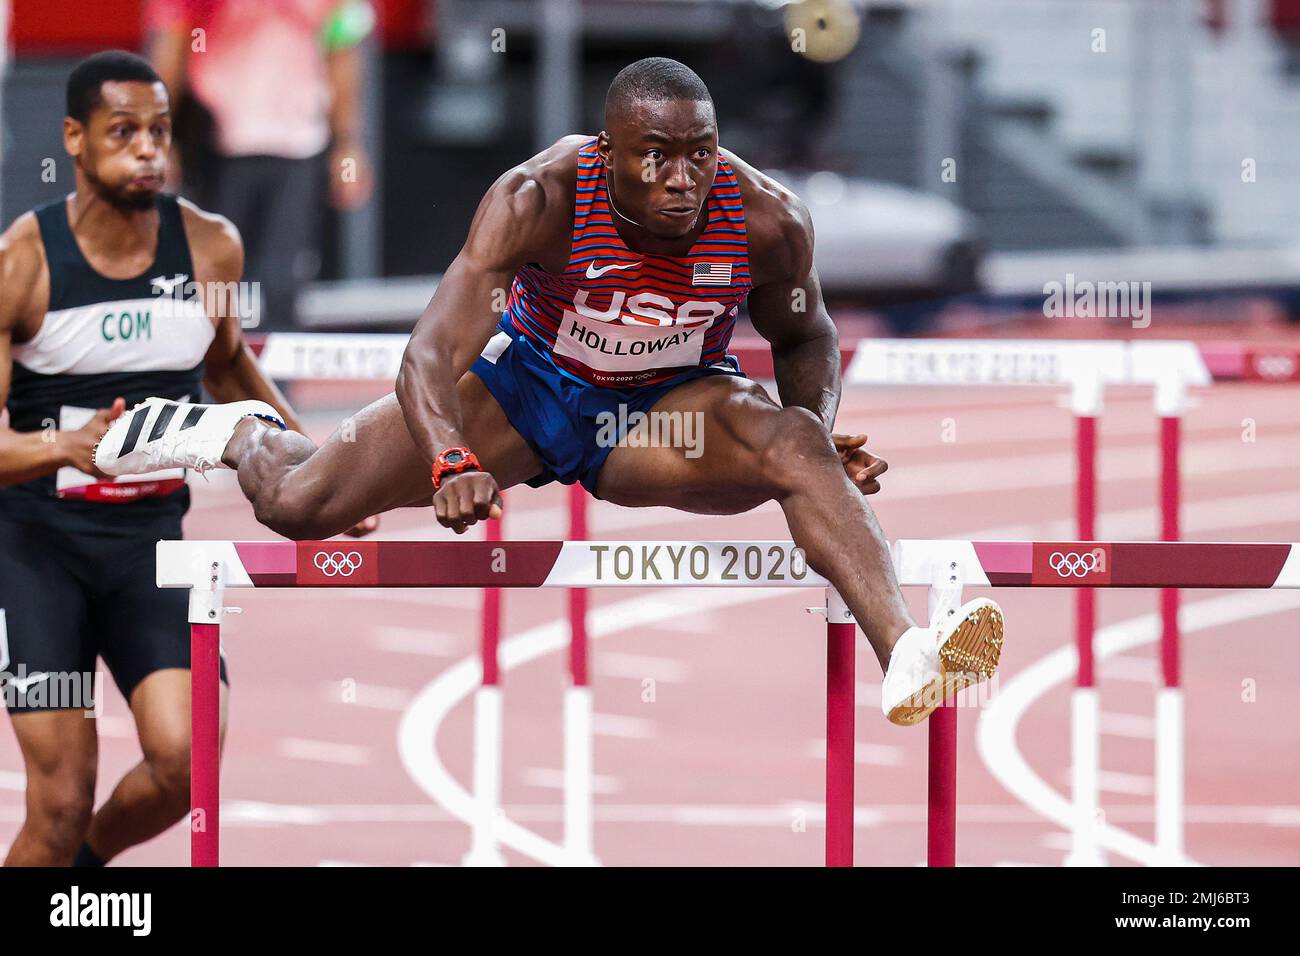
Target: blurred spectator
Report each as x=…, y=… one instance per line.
x=267, y=95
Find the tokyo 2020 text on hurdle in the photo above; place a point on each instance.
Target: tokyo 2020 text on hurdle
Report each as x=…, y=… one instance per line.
x=209, y=568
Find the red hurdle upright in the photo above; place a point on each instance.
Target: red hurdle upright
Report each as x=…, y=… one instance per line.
x=205, y=733
x=1171, y=403
x=579, y=798
x=205, y=612
x=489, y=717
x=841, y=646
x=1085, y=709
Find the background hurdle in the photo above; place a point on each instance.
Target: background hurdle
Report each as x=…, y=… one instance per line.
x=209, y=568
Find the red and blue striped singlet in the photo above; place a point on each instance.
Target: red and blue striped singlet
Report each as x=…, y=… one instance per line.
x=622, y=319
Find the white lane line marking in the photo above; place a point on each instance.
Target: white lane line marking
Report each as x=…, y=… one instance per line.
x=251, y=814
x=323, y=751
x=1115, y=781
x=258, y=813
x=419, y=641
x=460, y=598
x=996, y=730
x=549, y=779
x=641, y=666
x=1140, y=670
x=878, y=755
x=1128, y=725
x=366, y=695
x=866, y=694
x=617, y=725
x=704, y=624
x=1056, y=840
x=351, y=863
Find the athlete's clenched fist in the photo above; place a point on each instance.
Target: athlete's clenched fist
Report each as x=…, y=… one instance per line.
x=465, y=499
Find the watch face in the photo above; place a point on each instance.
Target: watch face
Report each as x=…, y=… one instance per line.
x=454, y=457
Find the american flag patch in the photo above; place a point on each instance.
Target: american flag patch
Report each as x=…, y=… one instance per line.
x=711, y=273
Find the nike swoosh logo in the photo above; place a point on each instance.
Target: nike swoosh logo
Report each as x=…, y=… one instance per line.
x=165, y=285
x=24, y=683
x=594, y=273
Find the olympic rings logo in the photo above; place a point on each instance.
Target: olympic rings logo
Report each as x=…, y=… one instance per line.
x=1072, y=564
x=340, y=564
x=1275, y=366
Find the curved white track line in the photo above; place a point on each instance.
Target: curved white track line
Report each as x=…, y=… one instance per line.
x=417, y=732
x=996, y=730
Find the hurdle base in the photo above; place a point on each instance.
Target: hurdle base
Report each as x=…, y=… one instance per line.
x=1085, y=731
x=579, y=833
x=1084, y=858
x=488, y=707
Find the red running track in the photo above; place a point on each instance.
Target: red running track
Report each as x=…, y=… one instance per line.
x=710, y=719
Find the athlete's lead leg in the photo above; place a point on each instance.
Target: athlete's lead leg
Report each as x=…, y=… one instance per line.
x=754, y=451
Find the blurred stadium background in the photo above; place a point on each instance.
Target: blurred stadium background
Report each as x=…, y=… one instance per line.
x=957, y=157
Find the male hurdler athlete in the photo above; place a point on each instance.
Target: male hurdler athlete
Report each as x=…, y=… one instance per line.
x=104, y=300
x=627, y=256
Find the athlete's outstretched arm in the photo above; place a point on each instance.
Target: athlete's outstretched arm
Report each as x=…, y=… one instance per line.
x=788, y=311
x=506, y=233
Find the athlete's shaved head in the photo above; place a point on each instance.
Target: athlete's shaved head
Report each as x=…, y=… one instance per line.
x=660, y=145
x=656, y=79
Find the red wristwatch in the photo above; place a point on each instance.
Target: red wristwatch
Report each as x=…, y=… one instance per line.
x=453, y=461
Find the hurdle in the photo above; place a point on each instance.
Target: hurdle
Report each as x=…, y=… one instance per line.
x=208, y=569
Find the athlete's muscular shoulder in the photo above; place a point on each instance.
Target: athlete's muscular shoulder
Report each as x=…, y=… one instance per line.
x=24, y=278
x=215, y=245
x=777, y=225
x=527, y=214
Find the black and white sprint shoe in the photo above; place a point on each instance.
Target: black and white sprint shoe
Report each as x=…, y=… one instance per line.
x=159, y=434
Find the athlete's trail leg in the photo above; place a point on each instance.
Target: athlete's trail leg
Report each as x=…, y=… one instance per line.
x=370, y=465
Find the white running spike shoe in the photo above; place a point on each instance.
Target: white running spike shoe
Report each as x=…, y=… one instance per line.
x=159, y=434
x=928, y=665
